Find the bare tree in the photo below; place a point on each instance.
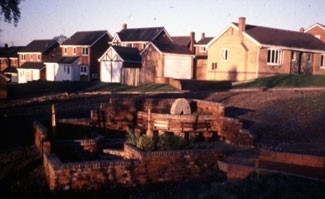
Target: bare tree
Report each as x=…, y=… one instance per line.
x=10, y=11
x=61, y=38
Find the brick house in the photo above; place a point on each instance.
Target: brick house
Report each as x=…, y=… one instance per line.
x=3, y=86
x=120, y=65
x=31, y=57
x=244, y=52
x=318, y=30
x=88, y=46
x=167, y=60
x=187, y=41
x=201, y=57
x=9, y=61
x=140, y=37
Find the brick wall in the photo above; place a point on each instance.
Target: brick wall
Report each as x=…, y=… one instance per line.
x=137, y=168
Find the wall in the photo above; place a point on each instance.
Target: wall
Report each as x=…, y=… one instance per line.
x=242, y=57
x=137, y=168
x=318, y=31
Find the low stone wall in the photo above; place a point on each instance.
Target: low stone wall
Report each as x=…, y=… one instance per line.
x=136, y=168
x=292, y=158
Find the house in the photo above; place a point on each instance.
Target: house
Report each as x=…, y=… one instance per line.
x=88, y=46
x=201, y=57
x=120, y=65
x=167, y=60
x=31, y=59
x=188, y=41
x=63, y=68
x=318, y=30
x=140, y=37
x=244, y=52
x=9, y=61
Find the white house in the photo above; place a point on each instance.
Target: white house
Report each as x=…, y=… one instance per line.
x=63, y=69
x=31, y=71
x=115, y=59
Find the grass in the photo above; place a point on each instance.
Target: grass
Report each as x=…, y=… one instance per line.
x=285, y=81
x=37, y=88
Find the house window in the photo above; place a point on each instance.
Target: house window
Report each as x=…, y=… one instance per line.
x=38, y=57
x=23, y=57
x=225, y=54
x=317, y=36
x=274, y=56
x=83, y=70
x=84, y=51
x=68, y=69
x=214, y=66
x=74, y=51
x=65, y=51
x=322, y=61
x=203, y=49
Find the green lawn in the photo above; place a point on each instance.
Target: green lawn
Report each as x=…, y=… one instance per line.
x=37, y=88
x=285, y=81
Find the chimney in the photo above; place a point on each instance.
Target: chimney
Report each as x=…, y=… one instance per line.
x=202, y=35
x=242, y=24
x=301, y=29
x=192, y=36
x=124, y=26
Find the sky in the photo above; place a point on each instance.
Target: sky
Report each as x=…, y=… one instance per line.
x=45, y=19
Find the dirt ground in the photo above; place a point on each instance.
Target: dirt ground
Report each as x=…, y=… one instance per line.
x=283, y=120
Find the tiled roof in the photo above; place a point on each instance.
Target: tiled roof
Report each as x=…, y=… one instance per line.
x=32, y=65
x=128, y=54
x=139, y=34
x=10, y=69
x=60, y=59
x=10, y=51
x=204, y=41
x=182, y=40
x=41, y=46
x=84, y=37
x=285, y=38
x=172, y=48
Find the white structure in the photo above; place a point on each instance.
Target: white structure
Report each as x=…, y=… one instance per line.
x=30, y=71
x=114, y=60
x=63, y=69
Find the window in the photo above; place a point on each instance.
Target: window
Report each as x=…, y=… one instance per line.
x=84, y=51
x=317, y=36
x=225, y=54
x=65, y=51
x=203, y=49
x=83, y=69
x=322, y=61
x=38, y=57
x=214, y=66
x=23, y=57
x=74, y=51
x=274, y=56
x=68, y=69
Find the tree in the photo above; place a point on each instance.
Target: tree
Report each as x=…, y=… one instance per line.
x=10, y=10
x=61, y=38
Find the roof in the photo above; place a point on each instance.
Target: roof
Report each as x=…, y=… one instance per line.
x=10, y=69
x=10, y=51
x=32, y=65
x=86, y=38
x=182, y=40
x=140, y=34
x=172, y=48
x=283, y=38
x=128, y=54
x=204, y=41
x=41, y=46
x=316, y=24
x=63, y=60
